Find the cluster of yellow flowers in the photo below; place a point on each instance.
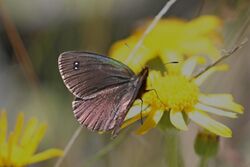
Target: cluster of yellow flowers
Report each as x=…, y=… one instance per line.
x=177, y=88
x=18, y=148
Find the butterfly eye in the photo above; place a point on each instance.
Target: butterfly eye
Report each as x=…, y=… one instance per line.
x=76, y=65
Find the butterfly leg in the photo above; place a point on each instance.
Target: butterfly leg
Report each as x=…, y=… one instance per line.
x=141, y=110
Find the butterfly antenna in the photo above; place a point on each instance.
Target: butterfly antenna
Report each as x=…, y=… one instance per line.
x=171, y=62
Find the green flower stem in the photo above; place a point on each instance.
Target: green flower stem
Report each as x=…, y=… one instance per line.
x=106, y=149
x=203, y=162
x=172, y=148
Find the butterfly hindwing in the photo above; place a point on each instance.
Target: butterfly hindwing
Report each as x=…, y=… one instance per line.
x=107, y=110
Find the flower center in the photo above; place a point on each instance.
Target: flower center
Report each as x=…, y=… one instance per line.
x=178, y=93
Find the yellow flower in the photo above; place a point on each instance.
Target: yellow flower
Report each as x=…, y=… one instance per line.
x=178, y=92
x=18, y=149
x=171, y=40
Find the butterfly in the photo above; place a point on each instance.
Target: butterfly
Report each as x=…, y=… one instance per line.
x=104, y=89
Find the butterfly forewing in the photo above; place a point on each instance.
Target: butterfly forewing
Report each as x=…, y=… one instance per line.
x=86, y=74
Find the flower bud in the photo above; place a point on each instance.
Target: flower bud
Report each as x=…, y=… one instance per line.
x=206, y=144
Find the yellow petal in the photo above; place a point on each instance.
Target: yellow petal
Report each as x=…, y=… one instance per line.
x=190, y=64
x=10, y=147
x=215, y=111
x=177, y=120
x=18, y=128
x=151, y=121
x=200, y=79
x=29, y=131
x=36, y=139
x=122, y=49
x=203, y=25
x=50, y=153
x=4, y=152
x=131, y=121
x=223, y=101
x=199, y=45
x=165, y=34
x=3, y=126
x=19, y=155
x=211, y=125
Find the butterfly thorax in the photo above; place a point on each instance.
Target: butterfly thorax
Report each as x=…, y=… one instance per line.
x=141, y=82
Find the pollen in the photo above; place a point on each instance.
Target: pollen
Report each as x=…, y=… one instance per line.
x=178, y=93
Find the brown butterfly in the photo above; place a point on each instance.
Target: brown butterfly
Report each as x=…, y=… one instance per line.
x=104, y=89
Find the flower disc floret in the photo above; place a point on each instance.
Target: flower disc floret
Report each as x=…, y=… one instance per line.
x=178, y=93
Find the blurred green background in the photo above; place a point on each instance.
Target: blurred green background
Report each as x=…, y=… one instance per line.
x=50, y=27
